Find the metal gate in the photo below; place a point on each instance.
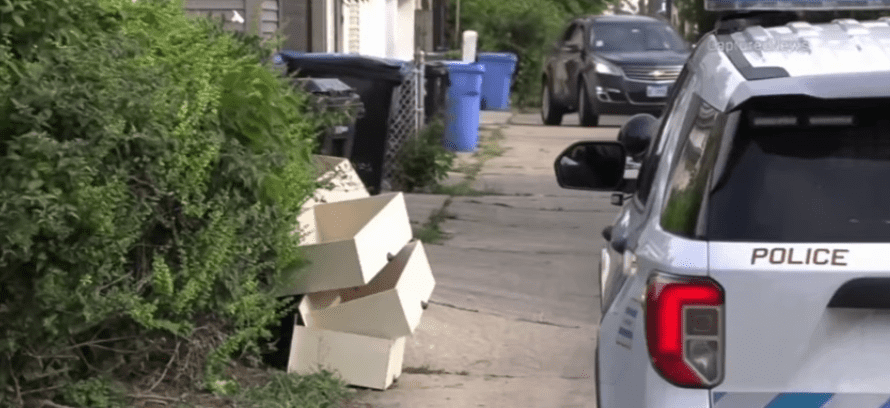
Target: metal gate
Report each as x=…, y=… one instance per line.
x=405, y=120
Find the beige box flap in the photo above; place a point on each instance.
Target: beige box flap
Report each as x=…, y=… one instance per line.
x=340, y=183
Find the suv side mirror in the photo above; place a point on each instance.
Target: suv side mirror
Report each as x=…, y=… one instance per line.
x=636, y=134
x=597, y=166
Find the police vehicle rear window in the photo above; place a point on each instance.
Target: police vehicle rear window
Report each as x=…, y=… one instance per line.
x=815, y=176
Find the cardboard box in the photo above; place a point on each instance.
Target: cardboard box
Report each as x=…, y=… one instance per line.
x=350, y=242
x=390, y=306
x=340, y=183
x=360, y=360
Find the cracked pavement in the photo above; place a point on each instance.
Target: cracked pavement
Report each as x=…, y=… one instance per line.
x=512, y=321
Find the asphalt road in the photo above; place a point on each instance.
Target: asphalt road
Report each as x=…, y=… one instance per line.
x=513, y=317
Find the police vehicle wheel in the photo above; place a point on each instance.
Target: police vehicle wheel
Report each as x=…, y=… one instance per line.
x=551, y=114
x=587, y=114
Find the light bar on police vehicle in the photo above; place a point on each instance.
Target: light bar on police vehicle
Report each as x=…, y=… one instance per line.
x=766, y=120
x=788, y=5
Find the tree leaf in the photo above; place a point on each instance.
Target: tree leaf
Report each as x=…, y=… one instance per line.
x=35, y=184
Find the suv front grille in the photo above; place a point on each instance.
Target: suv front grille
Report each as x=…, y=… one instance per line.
x=651, y=73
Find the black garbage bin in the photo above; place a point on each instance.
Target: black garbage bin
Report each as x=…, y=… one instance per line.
x=436, y=74
x=332, y=94
x=374, y=79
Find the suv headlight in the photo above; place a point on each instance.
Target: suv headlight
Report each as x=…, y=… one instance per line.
x=605, y=67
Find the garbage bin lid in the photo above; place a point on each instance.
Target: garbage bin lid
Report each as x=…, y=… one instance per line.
x=331, y=86
x=347, y=64
x=465, y=67
x=498, y=56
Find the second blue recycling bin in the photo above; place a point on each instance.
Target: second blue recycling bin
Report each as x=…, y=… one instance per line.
x=462, y=106
x=499, y=68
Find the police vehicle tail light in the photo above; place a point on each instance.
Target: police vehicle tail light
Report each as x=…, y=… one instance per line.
x=684, y=329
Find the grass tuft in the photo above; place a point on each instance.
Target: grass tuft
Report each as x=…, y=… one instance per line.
x=321, y=390
x=431, y=232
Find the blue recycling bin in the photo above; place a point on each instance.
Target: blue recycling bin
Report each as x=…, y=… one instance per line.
x=499, y=68
x=462, y=106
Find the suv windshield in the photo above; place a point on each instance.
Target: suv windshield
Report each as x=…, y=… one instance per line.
x=635, y=37
x=819, y=183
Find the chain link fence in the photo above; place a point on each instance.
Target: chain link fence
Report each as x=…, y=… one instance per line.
x=406, y=118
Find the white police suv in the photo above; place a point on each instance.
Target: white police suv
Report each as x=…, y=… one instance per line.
x=750, y=263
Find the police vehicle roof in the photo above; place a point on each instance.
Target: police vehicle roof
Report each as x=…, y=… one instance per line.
x=843, y=58
x=622, y=18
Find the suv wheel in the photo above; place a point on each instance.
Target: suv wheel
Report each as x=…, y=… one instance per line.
x=587, y=114
x=551, y=114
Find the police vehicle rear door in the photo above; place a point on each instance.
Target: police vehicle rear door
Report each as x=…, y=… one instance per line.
x=798, y=224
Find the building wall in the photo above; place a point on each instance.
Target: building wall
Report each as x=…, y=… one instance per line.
x=391, y=16
x=263, y=15
x=270, y=14
x=423, y=25
x=440, y=22
x=373, y=28
x=330, y=25
x=297, y=26
x=404, y=30
x=378, y=28
x=222, y=10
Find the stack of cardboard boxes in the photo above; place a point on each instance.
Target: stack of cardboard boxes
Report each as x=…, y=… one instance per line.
x=367, y=284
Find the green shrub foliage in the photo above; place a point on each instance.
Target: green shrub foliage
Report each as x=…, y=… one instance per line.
x=423, y=161
x=153, y=169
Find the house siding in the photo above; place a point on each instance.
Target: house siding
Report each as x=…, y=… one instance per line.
x=297, y=26
x=220, y=10
x=265, y=13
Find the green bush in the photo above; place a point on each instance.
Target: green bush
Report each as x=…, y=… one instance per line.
x=422, y=160
x=94, y=392
x=153, y=172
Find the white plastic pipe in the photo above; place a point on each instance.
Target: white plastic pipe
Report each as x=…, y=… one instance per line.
x=470, y=39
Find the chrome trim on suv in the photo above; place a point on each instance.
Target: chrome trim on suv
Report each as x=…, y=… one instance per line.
x=651, y=73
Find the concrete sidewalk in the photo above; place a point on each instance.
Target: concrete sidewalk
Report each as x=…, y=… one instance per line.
x=512, y=321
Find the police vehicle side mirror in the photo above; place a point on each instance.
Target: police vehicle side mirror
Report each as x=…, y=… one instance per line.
x=637, y=133
x=597, y=166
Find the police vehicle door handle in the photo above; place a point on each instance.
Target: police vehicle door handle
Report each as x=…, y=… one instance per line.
x=862, y=293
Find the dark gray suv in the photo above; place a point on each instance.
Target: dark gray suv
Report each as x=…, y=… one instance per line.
x=611, y=65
